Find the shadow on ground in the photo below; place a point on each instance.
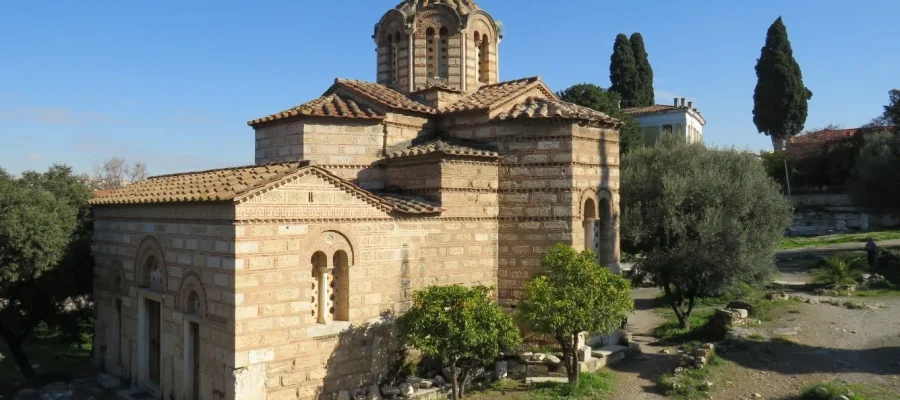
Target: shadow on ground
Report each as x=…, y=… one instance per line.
x=795, y=359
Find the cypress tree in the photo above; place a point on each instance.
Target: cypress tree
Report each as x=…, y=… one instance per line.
x=645, y=72
x=623, y=72
x=780, y=100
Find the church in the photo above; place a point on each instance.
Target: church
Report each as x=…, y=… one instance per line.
x=277, y=280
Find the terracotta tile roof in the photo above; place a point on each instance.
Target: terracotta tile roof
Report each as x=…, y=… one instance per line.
x=824, y=136
x=438, y=84
x=239, y=184
x=332, y=105
x=463, y=7
x=534, y=107
x=654, y=109
x=384, y=95
x=410, y=205
x=440, y=146
x=488, y=95
x=213, y=185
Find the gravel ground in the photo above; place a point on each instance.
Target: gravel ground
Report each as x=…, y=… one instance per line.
x=813, y=342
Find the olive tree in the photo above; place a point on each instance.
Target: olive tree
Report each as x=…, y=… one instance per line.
x=703, y=219
x=574, y=294
x=45, y=257
x=463, y=326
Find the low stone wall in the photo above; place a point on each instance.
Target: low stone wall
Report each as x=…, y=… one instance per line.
x=824, y=213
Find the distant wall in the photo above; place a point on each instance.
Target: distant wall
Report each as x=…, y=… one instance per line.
x=819, y=214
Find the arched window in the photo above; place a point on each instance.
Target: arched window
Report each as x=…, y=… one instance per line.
x=605, y=234
x=444, y=62
x=430, y=53
x=320, y=288
x=394, y=43
x=484, y=65
x=152, y=278
x=478, y=55
x=341, y=287
x=590, y=225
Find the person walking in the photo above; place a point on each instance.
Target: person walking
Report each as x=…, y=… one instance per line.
x=871, y=248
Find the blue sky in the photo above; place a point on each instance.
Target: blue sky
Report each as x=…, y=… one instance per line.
x=173, y=83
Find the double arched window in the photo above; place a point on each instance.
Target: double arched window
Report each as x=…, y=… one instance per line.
x=438, y=61
x=330, y=287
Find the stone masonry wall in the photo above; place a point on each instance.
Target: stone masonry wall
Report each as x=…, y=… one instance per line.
x=277, y=336
x=544, y=177
x=195, y=244
x=346, y=148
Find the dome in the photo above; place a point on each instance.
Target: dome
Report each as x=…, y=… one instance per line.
x=462, y=7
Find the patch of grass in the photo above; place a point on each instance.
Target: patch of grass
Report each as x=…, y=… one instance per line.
x=833, y=390
x=691, y=384
x=56, y=359
x=801, y=242
x=672, y=330
x=595, y=386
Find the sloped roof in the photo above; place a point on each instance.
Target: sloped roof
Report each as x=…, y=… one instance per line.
x=365, y=100
x=440, y=146
x=239, y=184
x=385, y=96
x=411, y=205
x=654, y=109
x=489, y=95
x=535, y=107
x=348, y=98
x=203, y=186
x=332, y=105
x=658, y=109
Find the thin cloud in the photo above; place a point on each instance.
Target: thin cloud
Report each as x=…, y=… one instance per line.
x=34, y=156
x=58, y=116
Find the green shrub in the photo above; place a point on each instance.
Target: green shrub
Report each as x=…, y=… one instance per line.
x=837, y=271
x=828, y=391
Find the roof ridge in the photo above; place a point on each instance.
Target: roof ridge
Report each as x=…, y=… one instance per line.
x=298, y=162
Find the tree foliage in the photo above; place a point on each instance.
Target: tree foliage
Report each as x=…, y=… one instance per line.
x=892, y=110
x=623, y=72
x=876, y=175
x=704, y=219
x=463, y=326
x=644, y=71
x=574, y=295
x=780, y=100
x=45, y=257
x=595, y=97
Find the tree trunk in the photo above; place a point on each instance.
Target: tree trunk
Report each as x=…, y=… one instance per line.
x=570, y=358
x=454, y=384
x=14, y=342
x=573, y=375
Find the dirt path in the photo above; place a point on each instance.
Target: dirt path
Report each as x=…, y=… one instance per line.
x=636, y=378
x=825, y=342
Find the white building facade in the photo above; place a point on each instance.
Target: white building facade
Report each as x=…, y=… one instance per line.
x=680, y=119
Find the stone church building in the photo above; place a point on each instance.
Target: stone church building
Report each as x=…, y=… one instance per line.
x=272, y=280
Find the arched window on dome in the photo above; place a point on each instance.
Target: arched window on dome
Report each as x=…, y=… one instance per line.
x=484, y=64
x=393, y=41
x=431, y=70
x=444, y=63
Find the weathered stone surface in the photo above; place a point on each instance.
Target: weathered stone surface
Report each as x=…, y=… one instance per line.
x=390, y=391
x=406, y=389
x=553, y=360
x=500, y=369
x=343, y=395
